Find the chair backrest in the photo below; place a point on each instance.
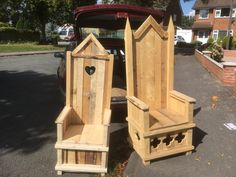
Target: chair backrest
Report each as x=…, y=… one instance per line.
x=149, y=62
x=89, y=80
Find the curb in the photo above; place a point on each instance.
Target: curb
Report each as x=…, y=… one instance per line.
x=28, y=53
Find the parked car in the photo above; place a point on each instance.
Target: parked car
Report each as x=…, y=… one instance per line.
x=110, y=18
x=178, y=39
x=66, y=32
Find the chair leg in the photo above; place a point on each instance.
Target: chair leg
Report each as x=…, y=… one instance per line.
x=103, y=174
x=146, y=162
x=59, y=172
x=188, y=153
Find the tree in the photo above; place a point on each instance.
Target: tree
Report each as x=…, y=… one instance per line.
x=157, y=4
x=39, y=12
x=187, y=21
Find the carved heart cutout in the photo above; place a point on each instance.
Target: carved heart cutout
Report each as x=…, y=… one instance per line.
x=90, y=70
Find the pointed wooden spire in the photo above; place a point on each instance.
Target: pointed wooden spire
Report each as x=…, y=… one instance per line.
x=88, y=39
x=170, y=55
x=150, y=21
x=129, y=57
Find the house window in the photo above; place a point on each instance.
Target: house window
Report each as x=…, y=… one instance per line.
x=224, y=12
x=221, y=34
x=203, y=14
x=217, y=13
x=215, y=34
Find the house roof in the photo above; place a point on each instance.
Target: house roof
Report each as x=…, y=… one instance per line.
x=202, y=25
x=205, y=4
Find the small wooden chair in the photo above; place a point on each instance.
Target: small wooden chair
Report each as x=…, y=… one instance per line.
x=82, y=127
x=160, y=119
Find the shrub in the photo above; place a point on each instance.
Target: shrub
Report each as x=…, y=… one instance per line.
x=219, y=41
x=217, y=52
x=233, y=44
x=225, y=41
x=185, y=45
x=8, y=34
x=197, y=44
x=2, y=24
x=210, y=43
x=12, y=34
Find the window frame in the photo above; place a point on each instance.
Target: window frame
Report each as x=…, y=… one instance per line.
x=200, y=17
x=216, y=32
x=220, y=9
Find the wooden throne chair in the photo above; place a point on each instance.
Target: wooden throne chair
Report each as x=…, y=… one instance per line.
x=160, y=119
x=82, y=126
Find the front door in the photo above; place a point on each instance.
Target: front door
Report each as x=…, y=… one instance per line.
x=202, y=36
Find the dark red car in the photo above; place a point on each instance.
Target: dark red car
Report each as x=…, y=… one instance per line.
x=109, y=19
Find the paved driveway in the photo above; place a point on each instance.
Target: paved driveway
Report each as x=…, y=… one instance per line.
x=215, y=154
x=30, y=102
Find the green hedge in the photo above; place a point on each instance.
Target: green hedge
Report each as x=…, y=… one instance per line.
x=13, y=34
x=185, y=45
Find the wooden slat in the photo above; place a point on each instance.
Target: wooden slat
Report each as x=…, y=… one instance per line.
x=71, y=157
x=68, y=79
x=95, y=57
x=163, y=120
x=77, y=146
x=74, y=68
x=86, y=93
x=170, y=58
x=100, y=82
x=82, y=157
x=81, y=168
x=93, y=93
x=108, y=82
x=129, y=59
x=140, y=104
x=99, y=156
x=80, y=87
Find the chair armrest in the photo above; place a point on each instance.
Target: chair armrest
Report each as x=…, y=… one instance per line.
x=182, y=97
x=138, y=103
x=182, y=105
x=138, y=113
x=63, y=115
x=107, y=117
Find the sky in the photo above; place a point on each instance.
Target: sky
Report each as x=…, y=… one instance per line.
x=187, y=7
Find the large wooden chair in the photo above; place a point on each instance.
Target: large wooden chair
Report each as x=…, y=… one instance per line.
x=160, y=119
x=82, y=127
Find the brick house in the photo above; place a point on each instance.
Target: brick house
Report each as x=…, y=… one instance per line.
x=212, y=19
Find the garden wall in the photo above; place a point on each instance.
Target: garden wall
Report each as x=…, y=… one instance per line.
x=229, y=53
x=224, y=71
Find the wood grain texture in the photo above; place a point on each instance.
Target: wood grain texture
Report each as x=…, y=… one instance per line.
x=83, y=134
x=158, y=116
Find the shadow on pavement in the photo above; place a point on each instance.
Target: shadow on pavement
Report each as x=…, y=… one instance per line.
x=198, y=136
x=29, y=104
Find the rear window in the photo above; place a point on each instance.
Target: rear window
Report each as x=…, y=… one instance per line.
x=103, y=33
x=62, y=32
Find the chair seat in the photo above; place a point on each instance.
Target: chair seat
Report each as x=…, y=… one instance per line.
x=164, y=118
x=85, y=134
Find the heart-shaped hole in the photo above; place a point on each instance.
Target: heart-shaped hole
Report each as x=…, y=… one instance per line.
x=90, y=70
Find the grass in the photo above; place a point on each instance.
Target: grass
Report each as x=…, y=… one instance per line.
x=27, y=47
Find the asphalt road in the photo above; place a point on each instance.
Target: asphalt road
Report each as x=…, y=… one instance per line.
x=30, y=102
x=215, y=153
